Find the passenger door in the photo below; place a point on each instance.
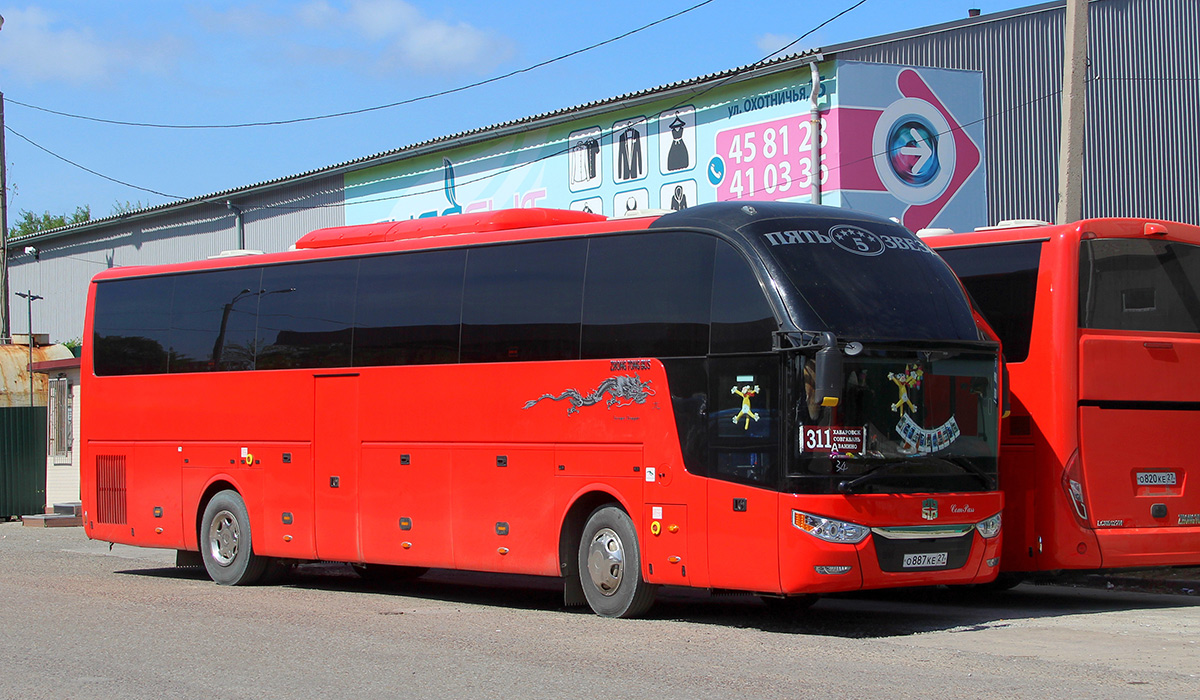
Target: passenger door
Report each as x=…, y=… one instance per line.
x=336, y=447
x=743, y=505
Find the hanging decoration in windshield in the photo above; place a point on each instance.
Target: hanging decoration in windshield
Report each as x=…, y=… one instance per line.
x=918, y=440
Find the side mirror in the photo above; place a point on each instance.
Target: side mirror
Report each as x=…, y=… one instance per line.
x=829, y=372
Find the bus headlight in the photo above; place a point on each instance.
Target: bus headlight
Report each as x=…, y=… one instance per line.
x=989, y=528
x=829, y=529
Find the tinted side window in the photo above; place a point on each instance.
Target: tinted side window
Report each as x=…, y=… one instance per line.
x=648, y=295
x=131, y=326
x=212, y=320
x=1139, y=285
x=742, y=320
x=408, y=309
x=1002, y=280
x=522, y=301
x=306, y=315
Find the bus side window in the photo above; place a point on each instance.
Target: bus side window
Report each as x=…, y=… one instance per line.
x=408, y=309
x=648, y=295
x=213, y=320
x=1002, y=281
x=131, y=326
x=742, y=320
x=522, y=301
x=742, y=418
x=305, y=312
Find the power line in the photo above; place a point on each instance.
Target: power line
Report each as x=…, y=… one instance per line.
x=365, y=110
x=81, y=167
x=518, y=166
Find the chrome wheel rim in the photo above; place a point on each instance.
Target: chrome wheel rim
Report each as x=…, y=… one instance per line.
x=606, y=561
x=223, y=536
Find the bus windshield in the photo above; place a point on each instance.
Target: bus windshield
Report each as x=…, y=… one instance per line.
x=908, y=422
x=865, y=279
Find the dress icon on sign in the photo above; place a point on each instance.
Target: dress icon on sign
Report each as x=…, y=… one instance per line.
x=629, y=155
x=679, y=199
x=677, y=156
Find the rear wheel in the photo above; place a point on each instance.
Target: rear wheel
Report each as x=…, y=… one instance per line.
x=226, y=544
x=610, y=565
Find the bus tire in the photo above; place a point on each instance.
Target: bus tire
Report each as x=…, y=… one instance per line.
x=226, y=544
x=610, y=565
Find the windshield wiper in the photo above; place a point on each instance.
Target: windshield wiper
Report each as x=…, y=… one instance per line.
x=848, y=486
x=988, y=480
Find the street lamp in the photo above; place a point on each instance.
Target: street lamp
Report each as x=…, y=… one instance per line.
x=30, y=297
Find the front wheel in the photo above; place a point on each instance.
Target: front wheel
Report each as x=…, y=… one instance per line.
x=225, y=542
x=610, y=565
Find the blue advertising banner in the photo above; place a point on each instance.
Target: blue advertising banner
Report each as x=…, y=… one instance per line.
x=745, y=139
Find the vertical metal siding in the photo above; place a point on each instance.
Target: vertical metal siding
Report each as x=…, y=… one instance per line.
x=61, y=273
x=22, y=461
x=1143, y=142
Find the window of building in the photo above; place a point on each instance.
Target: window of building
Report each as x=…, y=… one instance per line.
x=61, y=439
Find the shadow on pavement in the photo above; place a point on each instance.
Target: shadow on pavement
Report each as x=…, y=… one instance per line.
x=874, y=614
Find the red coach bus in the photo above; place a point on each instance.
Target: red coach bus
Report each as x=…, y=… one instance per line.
x=1100, y=322
x=773, y=398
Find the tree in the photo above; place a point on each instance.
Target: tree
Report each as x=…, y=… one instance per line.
x=127, y=206
x=29, y=223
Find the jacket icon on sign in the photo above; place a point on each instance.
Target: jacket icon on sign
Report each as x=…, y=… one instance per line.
x=629, y=155
x=679, y=199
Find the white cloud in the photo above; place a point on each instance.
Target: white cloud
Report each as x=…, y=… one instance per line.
x=36, y=45
x=770, y=43
x=394, y=35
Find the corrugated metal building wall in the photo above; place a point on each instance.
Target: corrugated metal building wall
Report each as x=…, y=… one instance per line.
x=273, y=218
x=1143, y=130
x=1143, y=145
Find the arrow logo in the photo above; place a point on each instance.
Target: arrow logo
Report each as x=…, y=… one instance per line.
x=919, y=148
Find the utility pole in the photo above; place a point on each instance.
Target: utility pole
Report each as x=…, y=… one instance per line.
x=1074, y=113
x=5, y=334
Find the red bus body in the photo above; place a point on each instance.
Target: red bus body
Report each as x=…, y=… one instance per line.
x=481, y=466
x=1105, y=388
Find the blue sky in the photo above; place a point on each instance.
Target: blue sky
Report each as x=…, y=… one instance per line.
x=267, y=60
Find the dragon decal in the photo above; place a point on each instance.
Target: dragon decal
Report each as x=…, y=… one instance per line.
x=622, y=390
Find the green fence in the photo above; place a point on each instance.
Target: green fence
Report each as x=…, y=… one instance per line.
x=22, y=461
